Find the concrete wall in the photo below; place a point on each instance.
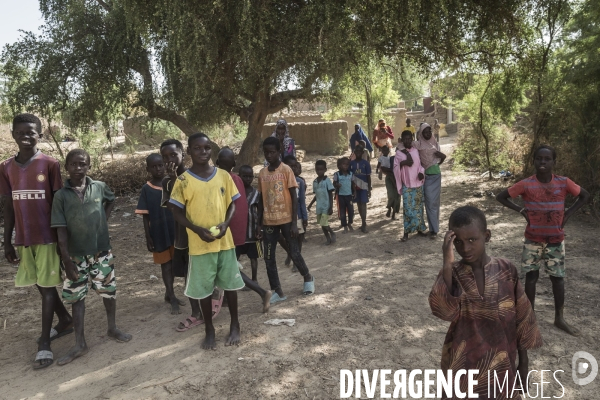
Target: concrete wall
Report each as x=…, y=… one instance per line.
x=318, y=137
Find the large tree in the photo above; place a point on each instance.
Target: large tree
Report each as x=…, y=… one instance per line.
x=196, y=63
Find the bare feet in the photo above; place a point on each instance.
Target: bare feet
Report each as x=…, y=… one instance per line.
x=175, y=307
x=432, y=235
x=267, y=300
x=404, y=238
x=118, y=335
x=75, y=352
x=560, y=323
x=233, y=339
x=168, y=300
x=209, y=340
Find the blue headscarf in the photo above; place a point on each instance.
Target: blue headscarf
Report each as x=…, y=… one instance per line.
x=360, y=135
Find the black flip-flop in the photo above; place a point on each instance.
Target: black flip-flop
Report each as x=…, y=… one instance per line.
x=41, y=356
x=54, y=334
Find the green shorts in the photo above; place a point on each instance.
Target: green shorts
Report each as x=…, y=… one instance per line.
x=100, y=270
x=552, y=255
x=39, y=265
x=323, y=219
x=212, y=269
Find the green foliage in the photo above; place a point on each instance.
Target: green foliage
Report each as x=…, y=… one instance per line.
x=489, y=108
x=370, y=85
x=101, y=59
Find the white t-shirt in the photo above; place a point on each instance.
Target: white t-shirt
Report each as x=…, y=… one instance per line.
x=385, y=161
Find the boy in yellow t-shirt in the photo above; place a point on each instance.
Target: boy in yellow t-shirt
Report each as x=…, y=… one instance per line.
x=203, y=196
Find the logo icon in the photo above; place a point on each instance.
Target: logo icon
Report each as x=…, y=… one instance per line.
x=41, y=178
x=581, y=367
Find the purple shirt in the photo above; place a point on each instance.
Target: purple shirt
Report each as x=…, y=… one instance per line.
x=32, y=186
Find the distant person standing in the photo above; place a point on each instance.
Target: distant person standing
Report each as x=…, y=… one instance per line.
x=410, y=128
x=436, y=130
x=382, y=135
x=357, y=136
x=409, y=180
x=431, y=158
x=286, y=143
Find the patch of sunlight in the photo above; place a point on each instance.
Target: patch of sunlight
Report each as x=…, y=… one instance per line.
x=117, y=368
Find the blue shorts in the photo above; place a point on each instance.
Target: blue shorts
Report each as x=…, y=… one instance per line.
x=362, y=196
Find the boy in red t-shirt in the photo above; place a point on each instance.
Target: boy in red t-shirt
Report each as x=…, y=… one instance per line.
x=544, y=210
x=31, y=178
x=239, y=222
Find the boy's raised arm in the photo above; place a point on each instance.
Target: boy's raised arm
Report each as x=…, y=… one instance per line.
x=9, y=225
x=504, y=198
x=582, y=199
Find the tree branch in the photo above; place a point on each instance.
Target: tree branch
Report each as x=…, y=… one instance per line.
x=104, y=5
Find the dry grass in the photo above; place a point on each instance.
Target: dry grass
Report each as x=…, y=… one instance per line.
x=123, y=176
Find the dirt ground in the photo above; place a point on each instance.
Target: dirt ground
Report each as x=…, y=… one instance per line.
x=370, y=311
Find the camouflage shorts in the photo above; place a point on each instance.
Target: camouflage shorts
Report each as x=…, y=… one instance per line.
x=100, y=269
x=552, y=255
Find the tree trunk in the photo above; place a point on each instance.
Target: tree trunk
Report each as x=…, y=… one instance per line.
x=370, y=110
x=55, y=140
x=250, y=154
x=482, y=130
x=182, y=123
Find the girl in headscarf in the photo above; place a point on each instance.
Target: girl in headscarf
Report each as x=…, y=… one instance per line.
x=409, y=181
x=382, y=135
x=431, y=158
x=288, y=146
x=357, y=136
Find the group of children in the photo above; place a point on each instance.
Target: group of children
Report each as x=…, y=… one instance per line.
x=200, y=221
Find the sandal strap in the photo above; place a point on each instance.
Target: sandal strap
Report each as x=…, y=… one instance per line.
x=44, y=355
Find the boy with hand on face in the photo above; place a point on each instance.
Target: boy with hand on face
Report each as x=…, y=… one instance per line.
x=203, y=199
x=277, y=185
x=323, y=190
x=28, y=182
x=159, y=226
x=492, y=321
x=80, y=213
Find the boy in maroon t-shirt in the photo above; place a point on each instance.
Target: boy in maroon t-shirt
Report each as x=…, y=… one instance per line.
x=239, y=222
x=544, y=210
x=31, y=178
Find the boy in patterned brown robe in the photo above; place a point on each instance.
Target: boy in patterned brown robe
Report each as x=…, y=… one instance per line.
x=491, y=317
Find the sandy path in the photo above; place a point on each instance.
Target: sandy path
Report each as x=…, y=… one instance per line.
x=370, y=311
